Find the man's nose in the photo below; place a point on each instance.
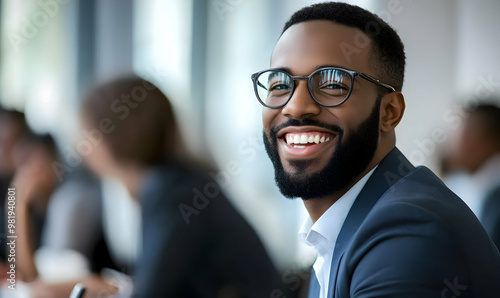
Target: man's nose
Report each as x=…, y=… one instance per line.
x=301, y=105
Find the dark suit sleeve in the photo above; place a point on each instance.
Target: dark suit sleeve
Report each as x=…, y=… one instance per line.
x=214, y=252
x=403, y=251
x=169, y=243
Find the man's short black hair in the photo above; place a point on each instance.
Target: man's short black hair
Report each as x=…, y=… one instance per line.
x=387, y=48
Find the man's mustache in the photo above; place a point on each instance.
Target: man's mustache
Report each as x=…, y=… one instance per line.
x=306, y=122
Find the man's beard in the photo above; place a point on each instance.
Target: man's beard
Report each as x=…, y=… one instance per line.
x=350, y=159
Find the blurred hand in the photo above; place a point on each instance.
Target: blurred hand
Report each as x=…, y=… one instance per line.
x=94, y=285
x=97, y=287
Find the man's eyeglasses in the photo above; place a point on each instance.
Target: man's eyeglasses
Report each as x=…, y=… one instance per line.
x=328, y=86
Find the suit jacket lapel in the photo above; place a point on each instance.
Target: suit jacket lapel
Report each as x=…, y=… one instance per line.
x=392, y=168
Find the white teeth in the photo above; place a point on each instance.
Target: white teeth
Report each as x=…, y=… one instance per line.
x=305, y=139
x=298, y=146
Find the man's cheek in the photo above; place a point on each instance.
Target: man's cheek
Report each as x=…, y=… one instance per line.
x=267, y=118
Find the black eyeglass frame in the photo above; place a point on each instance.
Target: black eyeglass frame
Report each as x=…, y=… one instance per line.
x=352, y=74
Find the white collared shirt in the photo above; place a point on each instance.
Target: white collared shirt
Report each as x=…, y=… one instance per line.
x=322, y=235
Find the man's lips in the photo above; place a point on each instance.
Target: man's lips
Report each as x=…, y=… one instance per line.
x=304, y=141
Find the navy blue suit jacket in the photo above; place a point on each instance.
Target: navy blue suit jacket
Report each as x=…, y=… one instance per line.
x=408, y=235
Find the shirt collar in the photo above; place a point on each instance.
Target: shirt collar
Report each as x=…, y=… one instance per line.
x=324, y=232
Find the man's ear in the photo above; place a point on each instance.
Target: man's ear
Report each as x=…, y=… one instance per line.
x=392, y=109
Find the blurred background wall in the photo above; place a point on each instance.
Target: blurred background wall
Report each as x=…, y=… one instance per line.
x=202, y=53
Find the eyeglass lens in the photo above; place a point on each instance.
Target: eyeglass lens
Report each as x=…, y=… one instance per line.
x=328, y=86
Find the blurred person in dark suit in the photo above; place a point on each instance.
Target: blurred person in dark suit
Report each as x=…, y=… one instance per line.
x=382, y=227
x=195, y=244
x=471, y=161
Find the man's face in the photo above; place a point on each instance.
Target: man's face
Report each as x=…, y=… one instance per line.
x=352, y=129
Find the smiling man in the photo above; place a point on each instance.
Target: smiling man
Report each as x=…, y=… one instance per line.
x=382, y=228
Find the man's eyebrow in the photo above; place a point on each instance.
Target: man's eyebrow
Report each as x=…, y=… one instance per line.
x=284, y=68
x=288, y=70
x=330, y=65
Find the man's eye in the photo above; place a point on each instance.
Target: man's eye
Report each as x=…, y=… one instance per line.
x=334, y=86
x=279, y=87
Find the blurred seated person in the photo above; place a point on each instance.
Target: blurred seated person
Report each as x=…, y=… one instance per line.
x=195, y=244
x=34, y=181
x=58, y=225
x=471, y=165
x=13, y=128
